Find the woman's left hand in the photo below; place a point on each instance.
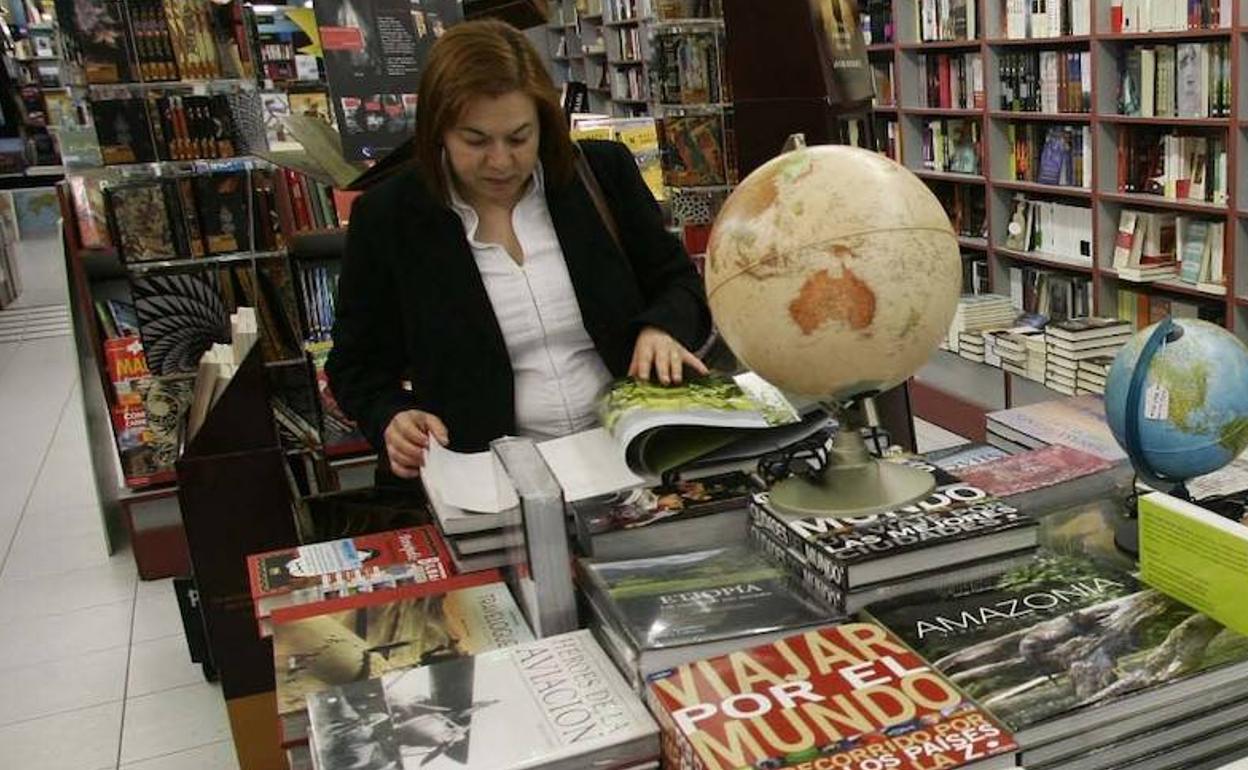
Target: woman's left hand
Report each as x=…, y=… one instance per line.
x=657, y=350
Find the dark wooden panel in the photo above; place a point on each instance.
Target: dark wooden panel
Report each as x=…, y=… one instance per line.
x=950, y=412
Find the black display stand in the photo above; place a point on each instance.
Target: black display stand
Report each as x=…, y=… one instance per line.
x=236, y=500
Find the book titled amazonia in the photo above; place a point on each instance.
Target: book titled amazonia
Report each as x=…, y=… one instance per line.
x=315, y=653
x=1064, y=644
x=556, y=702
x=369, y=563
x=957, y=523
x=850, y=697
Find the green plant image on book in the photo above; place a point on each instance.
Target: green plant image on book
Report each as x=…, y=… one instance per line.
x=713, y=393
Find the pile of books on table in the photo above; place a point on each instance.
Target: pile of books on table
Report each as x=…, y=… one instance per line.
x=1081, y=351
x=975, y=314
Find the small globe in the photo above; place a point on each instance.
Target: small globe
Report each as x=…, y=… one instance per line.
x=833, y=272
x=1193, y=413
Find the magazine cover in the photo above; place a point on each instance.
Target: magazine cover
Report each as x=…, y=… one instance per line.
x=847, y=697
x=535, y=704
x=313, y=654
x=374, y=51
x=1058, y=637
x=692, y=598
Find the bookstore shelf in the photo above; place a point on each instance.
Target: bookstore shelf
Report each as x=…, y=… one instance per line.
x=976, y=244
x=1157, y=201
x=942, y=45
x=219, y=85
x=1044, y=42
x=943, y=112
x=1168, y=286
x=624, y=22
x=880, y=48
x=1066, y=191
x=1045, y=260
x=1045, y=117
x=625, y=62
x=948, y=176
x=1241, y=301
x=1161, y=37
x=677, y=24
x=154, y=266
x=1155, y=121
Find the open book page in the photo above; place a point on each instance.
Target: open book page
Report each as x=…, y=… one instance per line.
x=588, y=464
x=474, y=482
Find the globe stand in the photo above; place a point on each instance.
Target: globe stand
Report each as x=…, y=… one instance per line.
x=853, y=483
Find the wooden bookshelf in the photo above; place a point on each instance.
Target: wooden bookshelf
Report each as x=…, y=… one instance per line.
x=1101, y=193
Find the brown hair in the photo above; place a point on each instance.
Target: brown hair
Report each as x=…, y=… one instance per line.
x=486, y=58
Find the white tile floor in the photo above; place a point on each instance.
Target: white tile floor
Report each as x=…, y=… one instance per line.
x=94, y=672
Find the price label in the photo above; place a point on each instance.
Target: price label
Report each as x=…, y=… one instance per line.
x=1157, y=403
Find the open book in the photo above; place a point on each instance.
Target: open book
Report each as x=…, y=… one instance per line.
x=708, y=425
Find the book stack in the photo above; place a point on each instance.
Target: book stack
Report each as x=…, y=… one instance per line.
x=1077, y=422
x=1020, y=351
x=1144, y=247
x=553, y=703
x=1073, y=341
x=815, y=701
x=1190, y=80
x=655, y=613
x=976, y=313
x=1093, y=672
x=959, y=532
x=1092, y=375
x=971, y=346
x=366, y=635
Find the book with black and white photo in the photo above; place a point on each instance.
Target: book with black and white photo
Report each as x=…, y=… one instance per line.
x=492, y=711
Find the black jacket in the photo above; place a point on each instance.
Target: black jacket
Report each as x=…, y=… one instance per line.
x=411, y=303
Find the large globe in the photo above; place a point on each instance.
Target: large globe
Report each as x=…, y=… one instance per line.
x=833, y=272
x=1192, y=416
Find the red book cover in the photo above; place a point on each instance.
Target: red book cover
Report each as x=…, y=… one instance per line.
x=1033, y=470
x=946, y=87
x=343, y=201
x=374, y=563
x=847, y=697
x=125, y=362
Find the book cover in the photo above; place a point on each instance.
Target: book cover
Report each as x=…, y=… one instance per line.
x=853, y=551
x=90, y=211
x=98, y=30
x=1077, y=422
x=1059, y=639
x=1036, y=469
x=693, y=598
x=140, y=221
x=361, y=564
x=680, y=500
x=224, y=211
x=1194, y=555
x=180, y=316
x=122, y=130
x=553, y=702
x=316, y=653
x=847, y=696
x=126, y=366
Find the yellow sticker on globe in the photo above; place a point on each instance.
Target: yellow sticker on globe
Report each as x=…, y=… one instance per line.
x=1157, y=403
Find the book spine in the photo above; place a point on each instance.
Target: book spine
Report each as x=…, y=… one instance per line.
x=831, y=569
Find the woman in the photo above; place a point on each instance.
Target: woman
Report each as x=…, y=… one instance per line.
x=485, y=275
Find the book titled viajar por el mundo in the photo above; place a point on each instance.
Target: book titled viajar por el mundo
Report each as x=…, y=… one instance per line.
x=847, y=697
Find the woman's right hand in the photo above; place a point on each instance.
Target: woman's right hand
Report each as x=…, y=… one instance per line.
x=407, y=441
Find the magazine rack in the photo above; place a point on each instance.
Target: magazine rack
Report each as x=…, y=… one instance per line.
x=235, y=500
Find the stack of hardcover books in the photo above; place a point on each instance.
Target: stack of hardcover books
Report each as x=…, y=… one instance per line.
x=1077, y=422
x=1021, y=351
x=979, y=312
x=1077, y=340
x=1093, y=375
x=1089, y=669
x=555, y=703
x=959, y=532
x=653, y=614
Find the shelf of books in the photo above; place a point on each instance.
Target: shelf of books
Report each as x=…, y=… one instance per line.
x=1092, y=145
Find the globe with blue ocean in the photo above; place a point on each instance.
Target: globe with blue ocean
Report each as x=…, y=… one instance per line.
x=1176, y=399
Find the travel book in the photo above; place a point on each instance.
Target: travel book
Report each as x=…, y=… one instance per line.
x=552, y=703
x=1036, y=469
x=383, y=634
x=956, y=524
x=847, y=696
x=372, y=563
x=670, y=610
x=1065, y=644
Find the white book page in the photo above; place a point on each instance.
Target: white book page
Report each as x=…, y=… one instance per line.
x=473, y=482
x=588, y=464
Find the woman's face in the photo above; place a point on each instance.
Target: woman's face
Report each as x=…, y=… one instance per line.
x=492, y=148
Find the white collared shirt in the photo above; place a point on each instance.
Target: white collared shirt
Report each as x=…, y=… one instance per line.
x=559, y=375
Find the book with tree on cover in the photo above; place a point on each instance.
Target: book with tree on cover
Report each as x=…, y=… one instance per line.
x=1065, y=644
x=850, y=696
x=553, y=702
x=370, y=563
x=384, y=634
